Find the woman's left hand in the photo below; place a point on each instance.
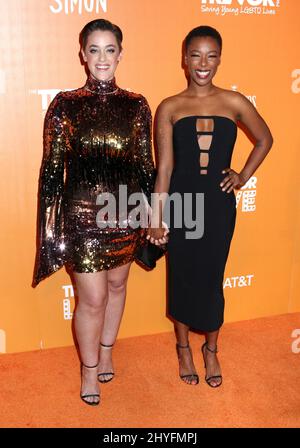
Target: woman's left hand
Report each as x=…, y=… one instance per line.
x=232, y=180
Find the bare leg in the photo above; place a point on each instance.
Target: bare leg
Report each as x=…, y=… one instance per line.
x=186, y=363
x=89, y=317
x=212, y=364
x=117, y=283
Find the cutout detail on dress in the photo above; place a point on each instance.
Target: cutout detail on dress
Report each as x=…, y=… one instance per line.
x=204, y=129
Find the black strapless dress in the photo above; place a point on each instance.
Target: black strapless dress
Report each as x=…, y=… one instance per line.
x=203, y=147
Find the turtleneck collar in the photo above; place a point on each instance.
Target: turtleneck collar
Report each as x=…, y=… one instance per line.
x=101, y=87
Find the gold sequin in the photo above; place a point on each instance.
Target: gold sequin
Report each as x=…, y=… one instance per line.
x=95, y=139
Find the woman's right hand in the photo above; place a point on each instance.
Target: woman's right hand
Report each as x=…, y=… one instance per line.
x=158, y=235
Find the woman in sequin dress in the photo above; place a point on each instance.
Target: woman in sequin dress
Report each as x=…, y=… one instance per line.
x=96, y=138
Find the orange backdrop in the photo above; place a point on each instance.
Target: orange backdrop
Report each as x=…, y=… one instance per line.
x=39, y=56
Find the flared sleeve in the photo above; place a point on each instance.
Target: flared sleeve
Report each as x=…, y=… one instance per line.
x=50, y=237
x=143, y=148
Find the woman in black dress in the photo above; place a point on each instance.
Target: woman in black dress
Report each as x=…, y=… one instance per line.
x=96, y=139
x=196, y=132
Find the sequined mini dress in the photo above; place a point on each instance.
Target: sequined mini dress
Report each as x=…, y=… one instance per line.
x=96, y=139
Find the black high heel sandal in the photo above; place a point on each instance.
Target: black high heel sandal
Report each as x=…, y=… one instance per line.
x=91, y=403
x=213, y=377
x=106, y=373
x=191, y=376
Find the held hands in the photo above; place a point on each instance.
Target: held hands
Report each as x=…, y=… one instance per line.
x=232, y=180
x=158, y=235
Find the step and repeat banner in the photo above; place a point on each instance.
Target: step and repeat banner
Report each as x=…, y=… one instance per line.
x=40, y=57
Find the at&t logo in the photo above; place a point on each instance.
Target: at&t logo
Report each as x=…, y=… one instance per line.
x=239, y=281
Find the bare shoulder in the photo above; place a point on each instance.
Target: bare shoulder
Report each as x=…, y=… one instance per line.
x=237, y=99
x=169, y=105
x=170, y=102
x=232, y=97
x=237, y=102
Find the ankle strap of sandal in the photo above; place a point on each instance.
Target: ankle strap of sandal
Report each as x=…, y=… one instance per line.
x=183, y=346
x=108, y=346
x=90, y=367
x=215, y=350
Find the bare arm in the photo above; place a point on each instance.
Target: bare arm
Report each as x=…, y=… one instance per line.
x=248, y=115
x=164, y=140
